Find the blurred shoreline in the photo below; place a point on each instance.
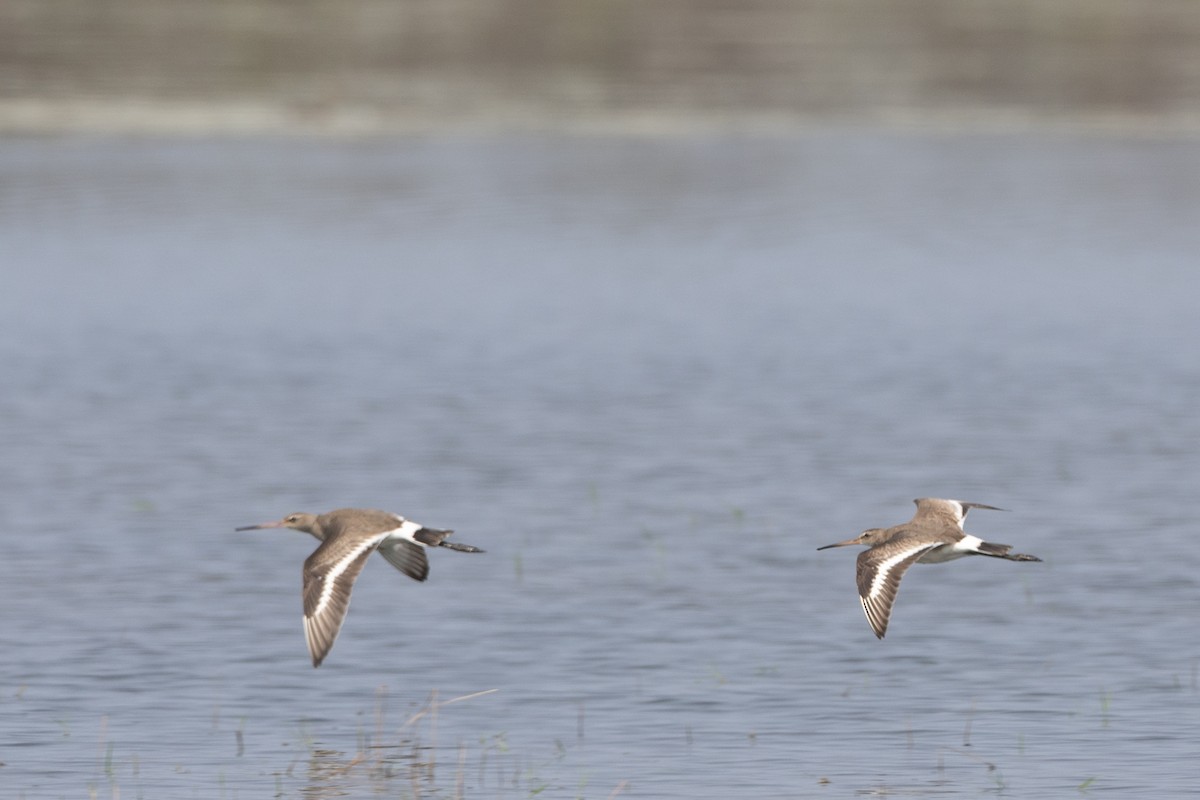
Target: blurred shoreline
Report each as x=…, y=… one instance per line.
x=350, y=68
x=122, y=116
x=167, y=119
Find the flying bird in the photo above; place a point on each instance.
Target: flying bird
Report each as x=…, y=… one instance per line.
x=934, y=534
x=348, y=537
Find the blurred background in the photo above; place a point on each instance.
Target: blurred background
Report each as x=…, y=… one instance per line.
x=649, y=299
x=375, y=66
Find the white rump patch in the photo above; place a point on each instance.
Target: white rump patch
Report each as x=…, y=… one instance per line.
x=967, y=544
x=406, y=531
x=948, y=552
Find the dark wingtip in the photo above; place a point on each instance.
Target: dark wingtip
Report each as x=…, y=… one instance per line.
x=968, y=506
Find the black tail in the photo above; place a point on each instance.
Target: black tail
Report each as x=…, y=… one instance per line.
x=1002, y=551
x=435, y=538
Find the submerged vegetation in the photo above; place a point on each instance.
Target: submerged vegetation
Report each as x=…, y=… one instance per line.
x=404, y=760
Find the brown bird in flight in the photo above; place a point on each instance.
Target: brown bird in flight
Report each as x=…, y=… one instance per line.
x=348, y=537
x=934, y=534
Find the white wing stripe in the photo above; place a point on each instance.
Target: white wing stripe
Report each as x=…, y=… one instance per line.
x=330, y=578
x=884, y=567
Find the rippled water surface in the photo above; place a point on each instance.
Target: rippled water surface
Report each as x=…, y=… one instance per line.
x=650, y=378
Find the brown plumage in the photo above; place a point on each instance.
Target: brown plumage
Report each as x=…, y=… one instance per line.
x=348, y=537
x=933, y=535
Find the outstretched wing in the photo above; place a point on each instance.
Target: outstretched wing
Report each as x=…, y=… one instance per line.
x=404, y=548
x=406, y=556
x=329, y=575
x=879, y=572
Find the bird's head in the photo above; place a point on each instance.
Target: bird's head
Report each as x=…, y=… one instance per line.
x=300, y=521
x=869, y=538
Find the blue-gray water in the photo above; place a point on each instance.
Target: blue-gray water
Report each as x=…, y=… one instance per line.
x=650, y=377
